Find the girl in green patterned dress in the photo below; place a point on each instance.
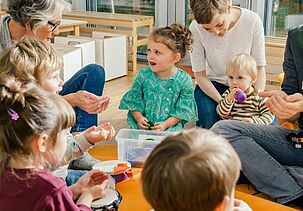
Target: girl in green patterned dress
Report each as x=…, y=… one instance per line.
x=162, y=96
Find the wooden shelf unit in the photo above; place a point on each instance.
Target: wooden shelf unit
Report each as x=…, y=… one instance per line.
x=128, y=25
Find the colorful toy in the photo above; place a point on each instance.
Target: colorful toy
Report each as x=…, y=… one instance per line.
x=281, y=78
x=240, y=96
x=123, y=168
x=119, y=170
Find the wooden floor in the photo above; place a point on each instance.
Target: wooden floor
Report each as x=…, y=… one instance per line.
x=115, y=90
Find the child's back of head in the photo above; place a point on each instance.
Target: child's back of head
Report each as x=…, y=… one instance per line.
x=192, y=170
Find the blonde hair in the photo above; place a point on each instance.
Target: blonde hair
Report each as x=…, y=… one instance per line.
x=176, y=37
x=192, y=170
x=38, y=111
x=30, y=60
x=204, y=10
x=242, y=63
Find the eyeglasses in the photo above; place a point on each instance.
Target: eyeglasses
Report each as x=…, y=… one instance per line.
x=54, y=25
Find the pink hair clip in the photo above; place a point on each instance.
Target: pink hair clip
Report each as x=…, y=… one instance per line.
x=14, y=115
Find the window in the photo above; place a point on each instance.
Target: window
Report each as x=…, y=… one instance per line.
x=283, y=15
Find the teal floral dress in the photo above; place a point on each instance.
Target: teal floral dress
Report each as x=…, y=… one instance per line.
x=158, y=99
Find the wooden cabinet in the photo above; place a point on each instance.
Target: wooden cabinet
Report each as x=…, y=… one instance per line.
x=117, y=23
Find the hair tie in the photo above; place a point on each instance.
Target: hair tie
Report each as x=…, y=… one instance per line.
x=14, y=115
x=168, y=27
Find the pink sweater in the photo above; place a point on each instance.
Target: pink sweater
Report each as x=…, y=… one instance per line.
x=21, y=189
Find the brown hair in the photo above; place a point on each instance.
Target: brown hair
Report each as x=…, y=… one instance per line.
x=176, y=37
x=243, y=63
x=38, y=112
x=30, y=60
x=192, y=170
x=204, y=10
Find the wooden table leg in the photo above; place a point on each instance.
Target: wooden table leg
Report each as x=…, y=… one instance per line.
x=77, y=31
x=134, y=49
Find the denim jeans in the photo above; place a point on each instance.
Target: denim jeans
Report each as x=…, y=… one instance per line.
x=207, y=113
x=90, y=78
x=265, y=154
x=74, y=175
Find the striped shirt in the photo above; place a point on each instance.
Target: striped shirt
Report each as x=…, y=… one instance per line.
x=254, y=107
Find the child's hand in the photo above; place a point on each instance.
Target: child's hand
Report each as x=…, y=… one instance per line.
x=143, y=123
x=102, y=132
x=91, y=179
x=94, y=192
x=159, y=126
x=98, y=191
x=240, y=205
x=231, y=95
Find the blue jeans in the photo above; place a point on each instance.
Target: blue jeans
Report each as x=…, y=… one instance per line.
x=207, y=113
x=266, y=155
x=73, y=176
x=90, y=78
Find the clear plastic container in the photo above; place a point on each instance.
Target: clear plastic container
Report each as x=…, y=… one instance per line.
x=134, y=145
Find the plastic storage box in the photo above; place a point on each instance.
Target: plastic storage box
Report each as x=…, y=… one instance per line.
x=134, y=145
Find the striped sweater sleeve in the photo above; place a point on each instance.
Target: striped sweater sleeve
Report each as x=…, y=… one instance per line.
x=265, y=116
x=224, y=107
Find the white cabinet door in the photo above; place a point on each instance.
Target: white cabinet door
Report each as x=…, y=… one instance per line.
x=113, y=55
x=71, y=59
x=87, y=47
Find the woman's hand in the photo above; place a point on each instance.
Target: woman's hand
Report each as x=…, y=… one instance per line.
x=88, y=102
x=297, y=101
x=283, y=106
x=99, y=133
x=272, y=93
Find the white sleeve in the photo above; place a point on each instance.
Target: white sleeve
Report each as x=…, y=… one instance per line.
x=82, y=143
x=76, y=146
x=197, y=55
x=258, y=43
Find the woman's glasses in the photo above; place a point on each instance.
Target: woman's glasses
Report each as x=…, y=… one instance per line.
x=54, y=25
